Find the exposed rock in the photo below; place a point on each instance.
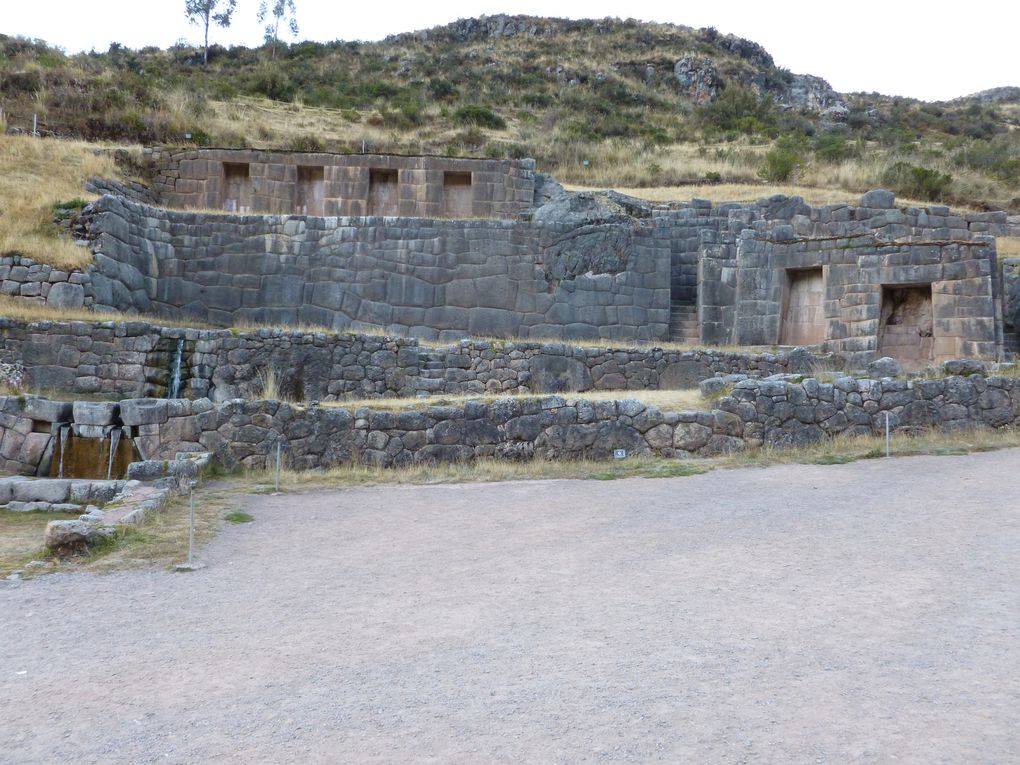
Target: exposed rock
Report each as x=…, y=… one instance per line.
x=884, y=367
x=698, y=79
x=965, y=367
x=70, y=537
x=880, y=199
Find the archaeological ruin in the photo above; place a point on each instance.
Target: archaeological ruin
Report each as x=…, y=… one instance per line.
x=446, y=248
x=362, y=276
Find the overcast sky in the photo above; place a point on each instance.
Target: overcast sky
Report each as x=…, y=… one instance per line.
x=893, y=47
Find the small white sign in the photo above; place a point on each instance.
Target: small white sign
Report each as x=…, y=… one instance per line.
x=619, y=454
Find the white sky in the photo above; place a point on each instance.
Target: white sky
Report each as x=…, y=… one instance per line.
x=932, y=50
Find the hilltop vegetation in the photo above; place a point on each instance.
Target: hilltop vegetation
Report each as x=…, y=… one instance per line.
x=610, y=92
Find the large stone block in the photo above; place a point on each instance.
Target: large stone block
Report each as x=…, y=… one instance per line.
x=143, y=411
x=96, y=412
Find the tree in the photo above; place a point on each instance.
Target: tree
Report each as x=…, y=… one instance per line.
x=205, y=11
x=277, y=11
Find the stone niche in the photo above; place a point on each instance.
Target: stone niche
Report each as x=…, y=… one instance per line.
x=907, y=327
x=458, y=201
x=344, y=185
x=236, y=187
x=310, y=190
x=803, y=318
x=382, y=193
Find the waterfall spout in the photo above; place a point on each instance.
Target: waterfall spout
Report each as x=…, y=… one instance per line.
x=115, y=435
x=65, y=431
x=174, y=389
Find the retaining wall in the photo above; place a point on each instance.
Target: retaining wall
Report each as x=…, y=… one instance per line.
x=134, y=358
x=775, y=411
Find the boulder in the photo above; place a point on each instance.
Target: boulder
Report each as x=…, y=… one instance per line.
x=70, y=537
x=964, y=367
x=880, y=199
x=884, y=367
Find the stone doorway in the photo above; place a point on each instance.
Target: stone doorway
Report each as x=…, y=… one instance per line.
x=803, y=319
x=906, y=331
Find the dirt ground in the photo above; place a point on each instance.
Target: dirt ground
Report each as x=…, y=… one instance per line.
x=867, y=612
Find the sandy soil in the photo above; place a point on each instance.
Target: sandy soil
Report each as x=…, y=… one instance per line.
x=854, y=613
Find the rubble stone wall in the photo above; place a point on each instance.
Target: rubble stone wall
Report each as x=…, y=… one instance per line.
x=775, y=411
x=135, y=358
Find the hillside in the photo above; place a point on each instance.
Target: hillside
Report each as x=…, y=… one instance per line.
x=596, y=102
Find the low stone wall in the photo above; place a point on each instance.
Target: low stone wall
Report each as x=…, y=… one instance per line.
x=22, y=277
x=135, y=358
x=773, y=411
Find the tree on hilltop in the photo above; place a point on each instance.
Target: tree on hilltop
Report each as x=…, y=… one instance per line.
x=204, y=12
x=277, y=12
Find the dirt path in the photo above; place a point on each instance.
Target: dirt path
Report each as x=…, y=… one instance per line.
x=855, y=613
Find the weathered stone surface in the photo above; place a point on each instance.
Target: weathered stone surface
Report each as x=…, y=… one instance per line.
x=143, y=411
x=885, y=367
x=70, y=537
x=96, y=412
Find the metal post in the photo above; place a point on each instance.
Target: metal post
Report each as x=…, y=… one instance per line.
x=35, y=124
x=191, y=534
x=191, y=565
x=278, y=448
x=887, y=433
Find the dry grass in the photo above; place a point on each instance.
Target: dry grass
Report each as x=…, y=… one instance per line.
x=1008, y=246
x=665, y=400
x=742, y=192
x=480, y=471
x=38, y=173
x=850, y=448
x=163, y=539
x=21, y=538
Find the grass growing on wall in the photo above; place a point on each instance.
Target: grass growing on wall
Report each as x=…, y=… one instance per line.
x=36, y=175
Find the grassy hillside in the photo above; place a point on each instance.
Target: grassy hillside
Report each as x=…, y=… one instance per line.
x=564, y=92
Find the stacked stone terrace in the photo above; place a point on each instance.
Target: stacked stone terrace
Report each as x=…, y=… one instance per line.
x=536, y=262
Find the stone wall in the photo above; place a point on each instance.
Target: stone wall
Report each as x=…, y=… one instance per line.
x=135, y=358
x=431, y=278
x=773, y=411
x=308, y=183
x=744, y=279
x=22, y=277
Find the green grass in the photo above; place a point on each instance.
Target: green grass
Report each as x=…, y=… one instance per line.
x=238, y=516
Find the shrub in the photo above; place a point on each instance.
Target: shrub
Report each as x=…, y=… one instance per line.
x=781, y=161
x=918, y=182
x=482, y=116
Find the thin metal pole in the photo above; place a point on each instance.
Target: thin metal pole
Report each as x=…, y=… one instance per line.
x=278, y=447
x=35, y=124
x=887, y=433
x=191, y=533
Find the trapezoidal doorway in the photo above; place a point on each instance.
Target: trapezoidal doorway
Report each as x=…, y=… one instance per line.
x=803, y=319
x=906, y=331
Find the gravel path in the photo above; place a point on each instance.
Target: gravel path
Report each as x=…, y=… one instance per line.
x=864, y=612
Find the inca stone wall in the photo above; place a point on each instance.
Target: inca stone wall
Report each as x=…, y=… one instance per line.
x=429, y=278
x=860, y=251
x=774, y=411
x=135, y=358
x=282, y=183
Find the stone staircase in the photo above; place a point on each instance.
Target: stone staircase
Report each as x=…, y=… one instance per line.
x=683, y=323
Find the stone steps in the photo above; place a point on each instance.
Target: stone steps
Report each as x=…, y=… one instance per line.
x=683, y=323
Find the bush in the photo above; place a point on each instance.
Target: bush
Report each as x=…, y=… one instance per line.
x=781, y=161
x=918, y=182
x=482, y=116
